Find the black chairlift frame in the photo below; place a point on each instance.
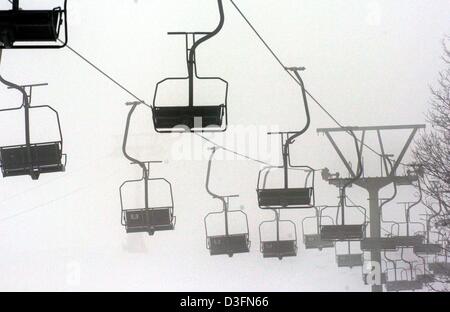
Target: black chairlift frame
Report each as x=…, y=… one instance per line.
x=31, y=159
x=148, y=219
x=287, y=197
x=278, y=248
x=18, y=25
x=192, y=118
x=314, y=240
x=402, y=284
x=343, y=231
x=227, y=244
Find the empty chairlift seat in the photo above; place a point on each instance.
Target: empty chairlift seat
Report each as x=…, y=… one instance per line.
x=378, y=244
x=343, y=232
x=189, y=117
x=279, y=249
x=427, y=249
x=150, y=220
x=350, y=260
x=272, y=195
x=228, y=244
x=407, y=241
x=276, y=246
x=32, y=158
x=36, y=159
x=192, y=117
x=315, y=241
x=31, y=26
x=229, y=241
x=285, y=197
x=403, y=285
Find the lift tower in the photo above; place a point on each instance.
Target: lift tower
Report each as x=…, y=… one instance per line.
x=373, y=185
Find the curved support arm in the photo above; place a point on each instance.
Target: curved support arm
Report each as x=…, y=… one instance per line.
x=394, y=195
x=191, y=60
x=26, y=105
x=125, y=141
x=408, y=211
x=207, y=37
x=132, y=159
x=208, y=179
x=305, y=102
x=11, y=85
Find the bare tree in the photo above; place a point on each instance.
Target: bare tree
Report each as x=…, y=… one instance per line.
x=432, y=152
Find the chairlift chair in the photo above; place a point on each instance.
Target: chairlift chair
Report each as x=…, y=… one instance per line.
x=427, y=249
x=31, y=158
x=404, y=285
x=408, y=277
x=32, y=29
x=192, y=118
x=314, y=240
x=278, y=248
x=227, y=243
x=285, y=196
x=345, y=231
x=402, y=282
x=408, y=240
x=149, y=218
x=378, y=244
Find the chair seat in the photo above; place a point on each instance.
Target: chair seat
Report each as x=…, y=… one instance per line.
x=407, y=241
x=350, y=261
x=45, y=158
x=279, y=249
x=314, y=241
x=427, y=249
x=298, y=197
x=228, y=245
x=378, y=244
x=403, y=285
x=343, y=232
x=29, y=26
x=141, y=220
x=190, y=117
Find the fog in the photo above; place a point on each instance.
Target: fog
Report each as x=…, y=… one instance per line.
x=368, y=63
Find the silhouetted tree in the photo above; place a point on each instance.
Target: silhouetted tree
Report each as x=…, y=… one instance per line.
x=432, y=151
